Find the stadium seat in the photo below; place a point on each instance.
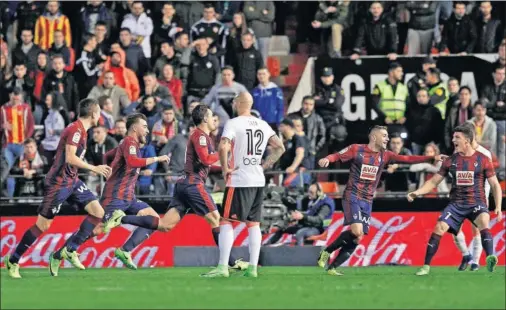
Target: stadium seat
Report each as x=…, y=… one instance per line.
x=330, y=188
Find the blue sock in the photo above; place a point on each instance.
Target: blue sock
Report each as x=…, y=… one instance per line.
x=148, y=221
x=344, y=254
x=431, y=248
x=28, y=239
x=138, y=237
x=487, y=242
x=84, y=232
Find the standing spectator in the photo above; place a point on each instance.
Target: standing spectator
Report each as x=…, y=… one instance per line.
x=427, y=170
x=424, y=122
x=60, y=48
x=103, y=44
x=167, y=26
x=100, y=144
x=260, y=15
x=453, y=89
x=204, y=72
x=120, y=130
x=334, y=15
x=418, y=81
x=212, y=30
x=106, y=113
x=295, y=159
x=148, y=108
x=459, y=33
x=247, y=62
x=46, y=24
x=237, y=29
x=54, y=123
x=26, y=51
x=421, y=27
x=396, y=181
x=88, y=67
x=123, y=76
x=162, y=94
x=116, y=94
x=378, y=35
x=484, y=126
x=145, y=179
x=329, y=100
x=438, y=92
x=21, y=80
x=268, y=99
x=141, y=27
x=92, y=14
x=63, y=82
x=168, y=56
x=189, y=11
x=226, y=10
x=174, y=85
x=458, y=116
x=183, y=53
x=135, y=59
x=166, y=128
x=17, y=122
x=32, y=166
x=26, y=17
x=490, y=31
x=40, y=74
x=221, y=97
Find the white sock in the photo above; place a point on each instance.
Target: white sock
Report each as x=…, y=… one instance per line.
x=226, y=241
x=477, y=248
x=255, y=242
x=460, y=242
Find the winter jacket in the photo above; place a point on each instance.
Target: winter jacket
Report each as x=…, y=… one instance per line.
x=258, y=21
x=135, y=59
x=378, y=37
x=29, y=59
x=95, y=152
x=415, y=84
x=161, y=61
x=459, y=35
x=268, y=101
x=27, y=15
x=214, y=30
x=189, y=11
x=490, y=35
x=175, y=87
x=424, y=123
x=488, y=137
x=329, y=104
x=451, y=122
x=90, y=15
x=141, y=28
x=246, y=64
x=328, y=19
x=66, y=86
x=422, y=14
x=118, y=95
x=68, y=54
x=495, y=93
x=314, y=129
x=319, y=212
x=165, y=32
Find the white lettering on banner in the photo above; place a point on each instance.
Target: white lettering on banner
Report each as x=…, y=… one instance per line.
x=368, y=172
x=465, y=178
x=8, y=238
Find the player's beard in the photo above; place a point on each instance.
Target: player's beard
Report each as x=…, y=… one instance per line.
x=142, y=139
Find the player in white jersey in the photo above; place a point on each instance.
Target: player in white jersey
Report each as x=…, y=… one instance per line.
x=246, y=138
x=472, y=254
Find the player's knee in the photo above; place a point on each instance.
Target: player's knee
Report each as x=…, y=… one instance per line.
x=358, y=232
x=43, y=224
x=441, y=228
x=165, y=227
x=95, y=209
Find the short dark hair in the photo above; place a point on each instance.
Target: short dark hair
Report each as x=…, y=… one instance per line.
x=88, y=37
x=168, y=108
x=452, y=78
x=423, y=89
x=136, y=2
x=436, y=72
x=86, y=107
x=287, y=122
x=120, y=120
x=393, y=66
x=499, y=66
x=208, y=6
x=132, y=119
x=466, y=131
x=465, y=87
x=228, y=68
x=102, y=100
x=101, y=23
x=199, y=113
x=150, y=73
x=395, y=135
x=459, y=3
x=377, y=127
x=27, y=29
x=29, y=140
x=307, y=97
x=125, y=29
x=57, y=56
x=481, y=102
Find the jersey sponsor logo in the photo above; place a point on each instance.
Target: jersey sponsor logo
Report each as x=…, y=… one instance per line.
x=132, y=150
x=251, y=161
x=465, y=178
x=202, y=141
x=368, y=172
x=76, y=137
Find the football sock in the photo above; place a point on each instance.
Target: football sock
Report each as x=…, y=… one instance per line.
x=225, y=243
x=460, y=242
x=344, y=254
x=84, y=232
x=216, y=237
x=487, y=241
x=138, y=236
x=148, y=221
x=432, y=248
x=255, y=242
x=346, y=237
x=26, y=241
x=477, y=249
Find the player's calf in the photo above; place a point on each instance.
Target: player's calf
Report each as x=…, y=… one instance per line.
x=432, y=246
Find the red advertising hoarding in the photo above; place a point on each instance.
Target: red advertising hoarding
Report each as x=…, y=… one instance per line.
x=394, y=238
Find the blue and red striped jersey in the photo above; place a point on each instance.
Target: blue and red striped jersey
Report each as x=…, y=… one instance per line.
x=469, y=174
x=200, y=155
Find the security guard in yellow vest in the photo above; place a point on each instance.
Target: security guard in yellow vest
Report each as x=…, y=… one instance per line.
x=390, y=96
x=438, y=92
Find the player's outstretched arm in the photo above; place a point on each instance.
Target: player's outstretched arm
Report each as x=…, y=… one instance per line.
x=426, y=188
x=277, y=149
x=344, y=155
x=72, y=159
x=414, y=159
x=497, y=193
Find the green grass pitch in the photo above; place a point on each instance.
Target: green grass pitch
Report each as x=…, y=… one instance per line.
x=276, y=287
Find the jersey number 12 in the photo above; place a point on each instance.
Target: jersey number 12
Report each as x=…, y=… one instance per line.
x=258, y=136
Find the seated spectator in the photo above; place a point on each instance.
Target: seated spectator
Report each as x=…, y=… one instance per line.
x=46, y=24
x=236, y=31
x=54, y=123
x=26, y=51
x=183, y=51
x=427, y=170
x=332, y=15
x=490, y=31
x=162, y=94
x=329, y=100
x=60, y=48
x=396, y=181
x=203, y=74
x=268, y=99
x=32, y=166
x=296, y=157
x=168, y=57
x=166, y=26
x=88, y=67
x=484, y=126
x=141, y=28
x=260, y=16
x=149, y=110
x=220, y=98
x=43, y=68
x=106, y=113
x=421, y=27
x=166, y=128
x=21, y=80
x=134, y=55
x=313, y=215
x=115, y=93
x=247, y=62
x=100, y=144
x=378, y=35
x=212, y=30
x=174, y=85
x=145, y=179
x=459, y=33
x=226, y=10
x=120, y=130
x=458, y=116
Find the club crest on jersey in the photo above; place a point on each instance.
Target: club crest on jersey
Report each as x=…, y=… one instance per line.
x=76, y=137
x=202, y=141
x=465, y=178
x=368, y=172
x=132, y=150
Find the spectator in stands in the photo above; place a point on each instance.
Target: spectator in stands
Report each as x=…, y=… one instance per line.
x=54, y=123
x=421, y=27
x=123, y=76
x=145, y=179
x=26, y=51
x=141, y=28
x=502, y=53
x=247, y=62
x=438, y=92
x=63, y=82
x=183, y=51
x=100, y=144
x=220, y=98
x=329, y=100
x=237, y=29
x=427, y=170
x=106, y=113
x=135, y=59
x=295, y=160
x=418, y=81
x=260, y=15
x=46, y=24
x=166, y=26
x=378, y=35
x=168, y=57
x=389, y=99
x=484, y=126
x=212, y=30
x=268, y=99
x=424, y=122
x=396, y=181
x=40, y=74
x=103, y=44
x=116, y=94
x=166, y=128
x=313, y=215
x=459, y=33
x=89, y=67
x=332, y=14
x=298, y=125
x=31, y=165
x=17, y=122
x=149, y=109
x=174, y=85
x=204, y=72
x=458, y=116
x=314, y=126
x=120, y=130
x=453, y=89
x=162, y=94
x=189, y=11
x=27, y=13
x=226, y=11
x=22, y=80
x=60, y=48
x=490, y=30
x=94, y=14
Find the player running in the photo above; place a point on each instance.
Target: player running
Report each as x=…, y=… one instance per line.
x=468, y=169
x=61, y=184
x=246, y=137
x=368, y=161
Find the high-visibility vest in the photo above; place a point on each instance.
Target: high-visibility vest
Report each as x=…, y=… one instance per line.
x=393, y=105
x=441, y=106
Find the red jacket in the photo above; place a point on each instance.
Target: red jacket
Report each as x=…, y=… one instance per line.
x=176, y=88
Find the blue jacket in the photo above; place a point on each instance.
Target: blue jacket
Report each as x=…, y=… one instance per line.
x=268, y=101
x=313, y=216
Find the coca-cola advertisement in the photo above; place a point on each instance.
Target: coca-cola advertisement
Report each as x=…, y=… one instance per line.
x=394, y=238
